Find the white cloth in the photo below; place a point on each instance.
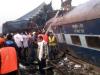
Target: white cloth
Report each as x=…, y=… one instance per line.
x=25, y=41
x=40, y=49
x=18, y=40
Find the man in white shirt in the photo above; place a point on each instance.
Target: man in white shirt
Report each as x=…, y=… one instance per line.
x=42, y=54
x=25, y=45
x=19, y=42
x=42, y=48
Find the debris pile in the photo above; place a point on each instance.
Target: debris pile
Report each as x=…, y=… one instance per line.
x=69, y=67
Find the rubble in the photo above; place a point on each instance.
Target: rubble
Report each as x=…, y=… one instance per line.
x=69, y=67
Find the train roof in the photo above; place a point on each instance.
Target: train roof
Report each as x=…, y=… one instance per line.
x=87, y=11
x=17, y=26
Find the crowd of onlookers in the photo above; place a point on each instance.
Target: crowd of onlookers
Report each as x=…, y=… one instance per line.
x=29, y=47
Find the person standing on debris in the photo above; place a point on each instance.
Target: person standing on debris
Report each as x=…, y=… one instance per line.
x=42, y=54
x=52, y=46
x=8, y=60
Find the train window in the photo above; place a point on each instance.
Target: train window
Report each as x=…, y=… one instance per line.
x=60, y=29
x=93, y=41
x=76, y=40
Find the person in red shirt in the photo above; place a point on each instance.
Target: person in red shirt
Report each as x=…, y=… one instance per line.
x=45, y=37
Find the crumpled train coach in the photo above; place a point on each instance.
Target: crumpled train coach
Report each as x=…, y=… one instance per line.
x=78, y=32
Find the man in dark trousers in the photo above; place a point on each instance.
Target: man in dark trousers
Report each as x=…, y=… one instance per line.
x=42, y=54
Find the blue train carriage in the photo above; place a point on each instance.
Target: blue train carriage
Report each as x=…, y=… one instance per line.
x=79, y=31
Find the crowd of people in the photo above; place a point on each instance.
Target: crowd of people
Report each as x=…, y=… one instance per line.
x=26, y=48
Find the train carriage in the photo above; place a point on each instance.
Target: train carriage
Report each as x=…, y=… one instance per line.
x=79, y=31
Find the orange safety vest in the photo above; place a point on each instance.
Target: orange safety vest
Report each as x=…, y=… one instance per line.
x=2, y=40
x=8, y=62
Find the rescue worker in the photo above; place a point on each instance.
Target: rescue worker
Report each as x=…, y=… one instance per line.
x=52, y=46
x=8, y=60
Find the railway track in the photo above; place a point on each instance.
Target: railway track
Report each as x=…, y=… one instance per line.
x=78, y=61
x=82, y=68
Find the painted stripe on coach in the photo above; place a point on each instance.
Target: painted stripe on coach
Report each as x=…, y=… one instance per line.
x=82, y=39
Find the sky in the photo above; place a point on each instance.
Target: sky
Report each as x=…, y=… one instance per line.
x=14, y=9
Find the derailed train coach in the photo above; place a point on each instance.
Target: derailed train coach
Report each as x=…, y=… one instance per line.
x=79, y=31
x=17, y=26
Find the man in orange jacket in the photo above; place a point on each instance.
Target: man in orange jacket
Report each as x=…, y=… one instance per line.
x=8, y=61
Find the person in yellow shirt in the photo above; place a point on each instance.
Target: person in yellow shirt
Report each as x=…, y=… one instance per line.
x=52, y=43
